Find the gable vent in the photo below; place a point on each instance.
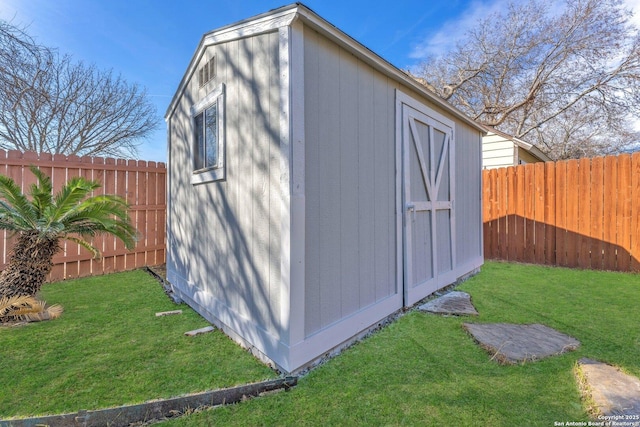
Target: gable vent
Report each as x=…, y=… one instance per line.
x=207, y=72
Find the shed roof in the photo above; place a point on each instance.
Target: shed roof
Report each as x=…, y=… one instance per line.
x=284, y=16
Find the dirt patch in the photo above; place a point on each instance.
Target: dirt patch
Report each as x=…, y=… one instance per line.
x=159, y=271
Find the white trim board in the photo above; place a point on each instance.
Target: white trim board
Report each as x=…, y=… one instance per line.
x=297, y=201
x=284, y=55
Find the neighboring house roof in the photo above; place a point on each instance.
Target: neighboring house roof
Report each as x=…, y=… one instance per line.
x=530, y=148
x=284, y=16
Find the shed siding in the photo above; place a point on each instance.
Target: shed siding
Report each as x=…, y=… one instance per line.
x=225, y=245
x=468, y=153
x=350, y=184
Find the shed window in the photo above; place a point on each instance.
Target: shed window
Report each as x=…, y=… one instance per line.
x=208, y=138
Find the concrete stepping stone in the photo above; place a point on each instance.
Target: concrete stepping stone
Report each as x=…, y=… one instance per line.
x=195, y=332
x=613, y=392
x=510, y=344
x=452, y=303
x=168, y=313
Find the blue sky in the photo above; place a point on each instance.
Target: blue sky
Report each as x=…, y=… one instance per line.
x=150, y=42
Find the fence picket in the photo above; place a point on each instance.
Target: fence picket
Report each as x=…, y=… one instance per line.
x=495, y=214
x=539, y=202
x=549, y=214
x=561, y=213
x=572, y=213
x=487, y=198
x=121, y=190
x=529, y=195
x=501, y=217
x=512, y=218
x=85, y=261
x=596, y=198
x=520, y=214
x=623, y=224
x=610, y=212
x=584, y=214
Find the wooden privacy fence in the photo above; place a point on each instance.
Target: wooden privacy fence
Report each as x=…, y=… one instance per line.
x=141, y=183
x=577, y=213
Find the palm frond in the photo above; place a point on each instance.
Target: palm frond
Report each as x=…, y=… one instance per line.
x=98, y=213
x=12, y=219
x=27, y=308
x=9, y=226
x=41, y=193
x=109, y=203
x=48, y=313
x=121, y=229
x=71, y=195
x=102, y=214
x=18, y=202
x=88, y=246
x=9, y=304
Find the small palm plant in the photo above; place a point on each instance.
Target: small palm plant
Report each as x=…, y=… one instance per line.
x=45, y=219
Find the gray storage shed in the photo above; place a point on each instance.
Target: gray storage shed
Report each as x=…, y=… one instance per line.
x=314, y=188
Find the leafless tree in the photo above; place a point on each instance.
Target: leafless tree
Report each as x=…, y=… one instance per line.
x=564, y=75
x=49, y=103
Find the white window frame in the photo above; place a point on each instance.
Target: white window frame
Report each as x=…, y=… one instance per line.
x=215, y=172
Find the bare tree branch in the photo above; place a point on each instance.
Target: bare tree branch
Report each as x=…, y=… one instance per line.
x=48, y=103
x=534, y=68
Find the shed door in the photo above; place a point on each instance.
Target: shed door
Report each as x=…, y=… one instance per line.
x=428, y=189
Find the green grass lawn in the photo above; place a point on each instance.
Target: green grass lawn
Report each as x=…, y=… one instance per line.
x=425, y=370
x=109, y=349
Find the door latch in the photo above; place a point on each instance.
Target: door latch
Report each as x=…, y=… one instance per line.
x=412, y=208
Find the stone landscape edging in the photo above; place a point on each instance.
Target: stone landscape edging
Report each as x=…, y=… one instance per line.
x=155, y=410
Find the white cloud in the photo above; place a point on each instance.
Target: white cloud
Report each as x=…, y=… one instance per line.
x=444, y=38
x=634, y=5
x=40, y=18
